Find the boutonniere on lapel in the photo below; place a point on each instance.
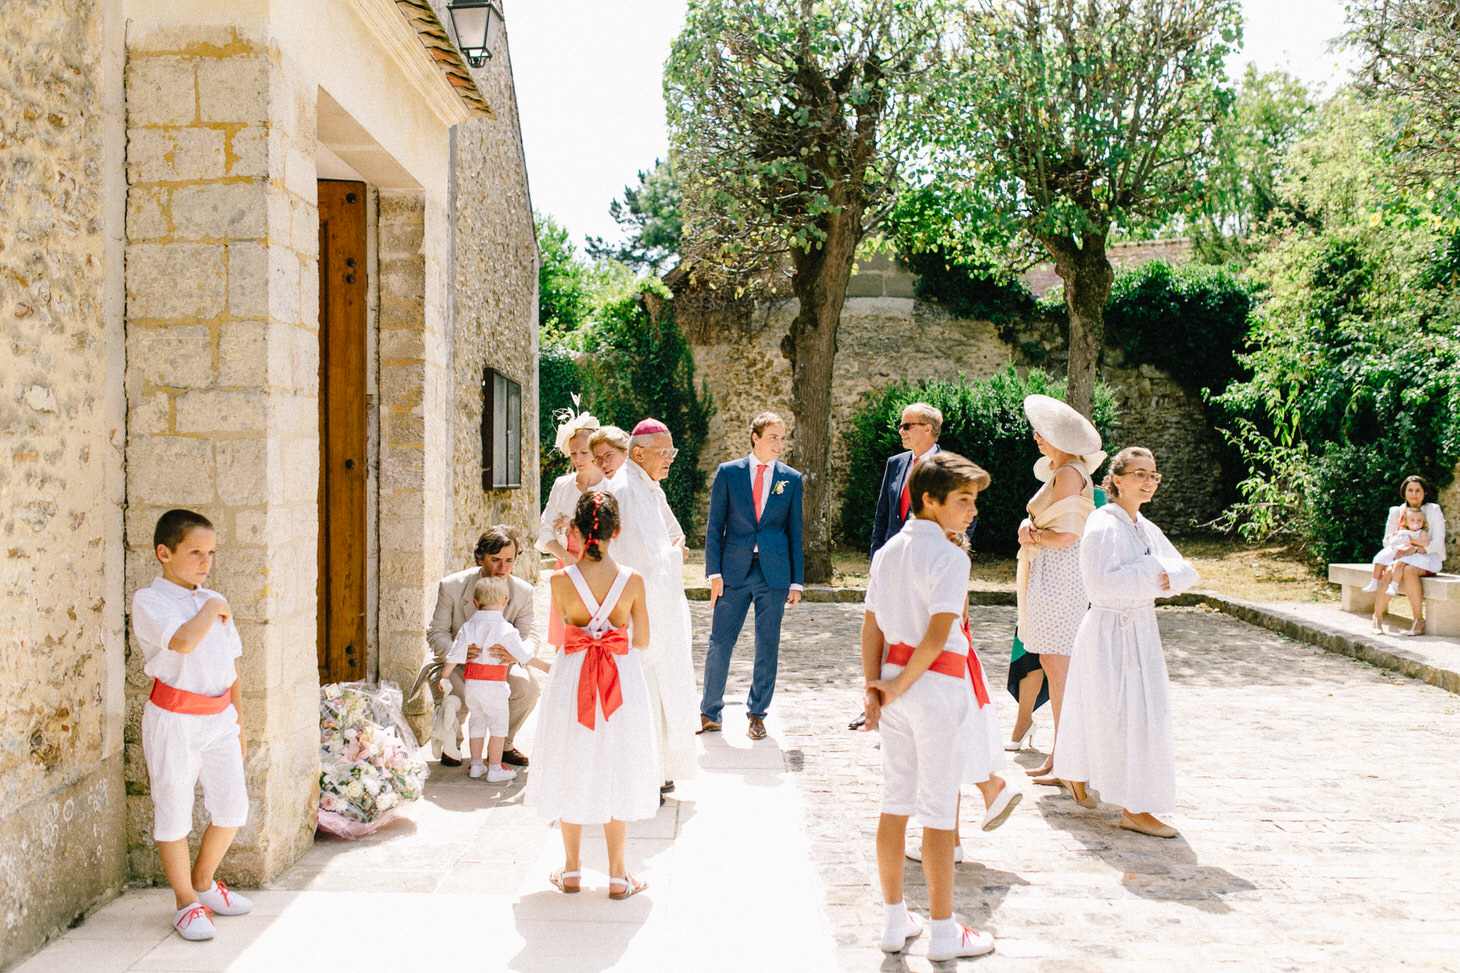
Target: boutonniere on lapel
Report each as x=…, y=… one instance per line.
x=779, y=488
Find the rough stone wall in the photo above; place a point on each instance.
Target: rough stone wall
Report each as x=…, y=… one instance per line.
x=62, y=840
x=1041, y=278
x=222, y=389
x=495, y=294
x=883, y=339
x=1450, y=507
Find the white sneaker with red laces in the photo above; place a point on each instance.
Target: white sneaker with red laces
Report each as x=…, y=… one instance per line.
x=224, y=901
x=968, y=942
x=896, y=937
x=192, y=922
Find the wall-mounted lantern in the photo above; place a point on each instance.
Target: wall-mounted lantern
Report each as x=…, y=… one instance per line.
x=477, y=24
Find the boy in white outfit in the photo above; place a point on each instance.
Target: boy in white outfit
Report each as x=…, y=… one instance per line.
x=191, y=728
x=927, y=695
x=486, y=684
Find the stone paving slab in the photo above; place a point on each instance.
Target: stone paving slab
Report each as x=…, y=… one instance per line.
x=1316, y=798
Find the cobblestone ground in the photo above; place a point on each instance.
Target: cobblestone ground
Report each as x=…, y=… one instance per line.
x=1317, y=802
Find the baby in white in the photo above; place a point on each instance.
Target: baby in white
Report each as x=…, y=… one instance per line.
x=486, y=680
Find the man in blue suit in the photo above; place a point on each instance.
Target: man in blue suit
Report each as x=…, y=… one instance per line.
x=752, y=555
x=919, y=429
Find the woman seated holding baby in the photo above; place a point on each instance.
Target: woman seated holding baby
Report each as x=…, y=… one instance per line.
x=1414, y=547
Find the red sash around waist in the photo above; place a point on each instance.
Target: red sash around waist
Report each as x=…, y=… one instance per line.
x=598, y=681
x=476, y=670
x=176, y=700
x=948, y=664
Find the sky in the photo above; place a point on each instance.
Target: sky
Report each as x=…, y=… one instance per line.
x=589, y=78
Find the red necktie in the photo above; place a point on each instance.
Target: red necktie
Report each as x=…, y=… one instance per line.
x=759, y=479
x=907, y=490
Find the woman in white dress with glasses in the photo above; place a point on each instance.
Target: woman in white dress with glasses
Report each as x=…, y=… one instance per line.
x=1115, y=730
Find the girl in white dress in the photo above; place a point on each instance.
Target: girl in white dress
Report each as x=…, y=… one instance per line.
x=553, y=535
x=1115, y=731
x=596, y=758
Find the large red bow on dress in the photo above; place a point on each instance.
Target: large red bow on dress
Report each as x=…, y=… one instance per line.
x=598, y=681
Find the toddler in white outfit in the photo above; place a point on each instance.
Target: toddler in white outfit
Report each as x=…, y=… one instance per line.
x=486, y=680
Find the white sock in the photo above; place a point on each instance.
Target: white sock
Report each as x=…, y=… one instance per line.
x=495, y=767
x=476, y=762
x=945, y=928
x=896, y=914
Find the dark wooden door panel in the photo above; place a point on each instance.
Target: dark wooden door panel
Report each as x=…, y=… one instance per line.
x=342, y=428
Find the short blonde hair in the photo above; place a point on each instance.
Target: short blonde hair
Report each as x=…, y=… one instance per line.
x=572, y=427
x=490, y=591
x=932, y=415
x=612, y=435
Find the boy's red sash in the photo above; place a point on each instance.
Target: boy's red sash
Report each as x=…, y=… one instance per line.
x=176, y=700
x=948, y=664
x=476, y=670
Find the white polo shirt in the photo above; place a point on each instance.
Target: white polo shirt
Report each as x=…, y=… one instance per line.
x=917, y=574
x=157, y=613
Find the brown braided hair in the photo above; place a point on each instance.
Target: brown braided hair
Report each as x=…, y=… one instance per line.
x=595, y=518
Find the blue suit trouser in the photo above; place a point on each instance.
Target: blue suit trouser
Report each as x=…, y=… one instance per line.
x=725, y=626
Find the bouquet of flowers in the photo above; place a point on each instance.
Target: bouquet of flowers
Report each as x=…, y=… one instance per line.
x=367, y=770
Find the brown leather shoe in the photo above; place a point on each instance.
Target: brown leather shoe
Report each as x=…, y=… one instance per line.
x=708, y=725
x=757, y=728
x=514, y=757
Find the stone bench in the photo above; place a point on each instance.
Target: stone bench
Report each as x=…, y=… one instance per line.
x=1441, y=596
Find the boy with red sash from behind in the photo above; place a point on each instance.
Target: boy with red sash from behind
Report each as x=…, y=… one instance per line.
x=927, y=695
x=191, y=728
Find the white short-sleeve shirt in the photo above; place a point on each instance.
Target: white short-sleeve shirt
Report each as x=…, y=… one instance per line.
x=917, y=574
x=158, y=612
x=487, y=627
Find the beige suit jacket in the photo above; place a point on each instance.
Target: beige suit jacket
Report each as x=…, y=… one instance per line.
x=454, y=606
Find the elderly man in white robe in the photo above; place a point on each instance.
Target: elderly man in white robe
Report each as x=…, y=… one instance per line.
x=646, y=544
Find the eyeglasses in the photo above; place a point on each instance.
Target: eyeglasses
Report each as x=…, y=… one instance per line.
x=669, y=452
x=1143, y=476
x=908, y=425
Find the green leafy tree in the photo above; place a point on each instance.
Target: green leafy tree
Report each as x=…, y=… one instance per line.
x=564, y=282
x=1413, y=51
x=1271, y=113
x=650, y=216
x=789, y=120
x=1068, y=119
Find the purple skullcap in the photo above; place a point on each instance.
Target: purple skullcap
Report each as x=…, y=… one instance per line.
x=650, y=427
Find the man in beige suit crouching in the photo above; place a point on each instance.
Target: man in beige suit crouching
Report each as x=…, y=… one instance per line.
x=495, y=554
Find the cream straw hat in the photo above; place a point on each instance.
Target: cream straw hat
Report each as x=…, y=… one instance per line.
x=1066, y=430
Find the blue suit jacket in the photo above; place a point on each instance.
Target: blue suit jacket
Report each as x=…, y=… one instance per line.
x=731, y=531
x=889, y=499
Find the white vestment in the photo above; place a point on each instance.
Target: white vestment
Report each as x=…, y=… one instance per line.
x=1115, y=724
x=644, y=544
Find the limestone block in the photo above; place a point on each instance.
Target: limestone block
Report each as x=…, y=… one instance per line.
x=284, y=270
x=304, y=377
x=398, y=314
x=169, y=471
x=147, y=217
x=260, y=666
x=402, y=346
x=242, y=575
x=222, y=410
x=234, y=90
x=176, y=356
x=246, y=152
x=304, y=228
x=300, y=458
x=405, y=610
x=161, y=91
x=175, y=280
x=228, y=211
x=149, y=414
x=250, y=527
x=174, y=155
x=401, y=468
x=243, y=355
x=248, y=279
x=300, y=175
x=242, y=472
x=400, y=386
x=403, y=279
x=403, y=429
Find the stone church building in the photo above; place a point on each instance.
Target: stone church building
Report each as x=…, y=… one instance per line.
x=274, y=262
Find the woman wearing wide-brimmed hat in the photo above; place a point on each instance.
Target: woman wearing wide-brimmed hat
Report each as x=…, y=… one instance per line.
x=1051, y=593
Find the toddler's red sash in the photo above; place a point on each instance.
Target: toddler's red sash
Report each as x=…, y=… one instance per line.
x=476, y=670
x=598, y=680
x=948, y=663
x=176, y=700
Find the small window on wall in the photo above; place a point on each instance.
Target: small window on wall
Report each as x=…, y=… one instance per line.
x=501, y=432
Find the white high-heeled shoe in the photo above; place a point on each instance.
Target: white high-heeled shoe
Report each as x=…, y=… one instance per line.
x=1027, y=740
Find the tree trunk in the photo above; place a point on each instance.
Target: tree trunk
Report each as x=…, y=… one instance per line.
x=819, y=281
x=1087, y=275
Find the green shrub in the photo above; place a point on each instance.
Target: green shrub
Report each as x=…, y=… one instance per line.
x=635, y=366
x=558, y=378
x=983, y=420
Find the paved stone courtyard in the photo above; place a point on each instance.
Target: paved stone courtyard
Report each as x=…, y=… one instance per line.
x=1317, y=803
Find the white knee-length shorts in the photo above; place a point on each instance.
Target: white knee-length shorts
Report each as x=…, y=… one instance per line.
x=487, y=701
x=183, y=750
x=924, y=754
